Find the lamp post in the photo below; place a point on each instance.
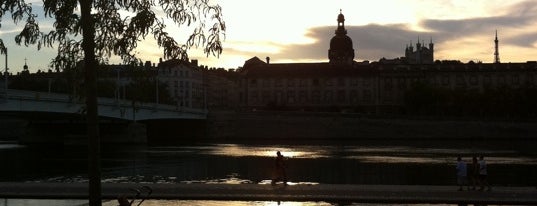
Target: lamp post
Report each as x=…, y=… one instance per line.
x=156, y=85
x=5, y=73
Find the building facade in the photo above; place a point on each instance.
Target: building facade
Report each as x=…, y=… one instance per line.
x=185, y=82
x=343, y=84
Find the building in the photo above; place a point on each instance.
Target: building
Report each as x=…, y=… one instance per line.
x=422, y=54
x=185, y=82
x=341, y=51
x=345, y=85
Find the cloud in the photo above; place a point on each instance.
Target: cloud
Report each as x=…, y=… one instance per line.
x=374, y=41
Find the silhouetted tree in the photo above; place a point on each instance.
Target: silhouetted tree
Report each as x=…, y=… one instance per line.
x=104, y=33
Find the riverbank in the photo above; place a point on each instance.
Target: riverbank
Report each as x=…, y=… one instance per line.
x=337, y=126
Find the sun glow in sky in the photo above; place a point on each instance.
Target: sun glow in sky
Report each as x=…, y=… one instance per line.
x=300, y=31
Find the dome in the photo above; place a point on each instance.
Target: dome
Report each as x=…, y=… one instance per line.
x=341, y=49
x=341, y=42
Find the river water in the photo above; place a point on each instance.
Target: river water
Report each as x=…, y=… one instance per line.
x=419, y=162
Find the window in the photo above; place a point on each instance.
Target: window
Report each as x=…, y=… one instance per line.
x=278, y=82
x=266, y=83
x=290, y=82
x=367, y=95
x=367, y=82
x=302, y=96
x=354, y=82
x=328, y=82
x=445, y=80
x=341, y=82
x=515, y=79
x=486, y=79
x=315, y=82
x=401, y=83
x=303, y=82
x=341, y=96
x=354, y=96
x=328, y=96
x=266, y=96
x=316, y=96
x=291, y=96
x=501, y=80
x=253, y=82
x=388, y=83
x=473, y=80
x=460, y=80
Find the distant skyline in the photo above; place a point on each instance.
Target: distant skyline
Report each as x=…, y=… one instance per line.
x=300, y=31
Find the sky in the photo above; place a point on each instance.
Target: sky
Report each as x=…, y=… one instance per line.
x=300, y=31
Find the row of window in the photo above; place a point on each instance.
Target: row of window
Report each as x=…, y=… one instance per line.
x=316, y=96
x=306, y=82
x=175, y=73
x=401, y=82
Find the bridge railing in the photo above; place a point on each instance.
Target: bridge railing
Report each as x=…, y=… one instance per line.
x=121, y=103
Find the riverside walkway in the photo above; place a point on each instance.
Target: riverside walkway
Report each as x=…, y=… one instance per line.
x=301, y=192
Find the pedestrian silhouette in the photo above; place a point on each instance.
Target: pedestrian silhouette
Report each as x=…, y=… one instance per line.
x=280, y=173
x=483, y=173
x=462, y=172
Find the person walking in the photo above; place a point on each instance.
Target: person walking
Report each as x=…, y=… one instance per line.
x=281, y=174
x=483, y=173
x=462, y=172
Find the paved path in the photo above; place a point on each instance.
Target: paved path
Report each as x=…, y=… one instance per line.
x=256, y=192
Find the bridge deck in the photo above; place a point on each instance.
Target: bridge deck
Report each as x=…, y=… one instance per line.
x=255, y=192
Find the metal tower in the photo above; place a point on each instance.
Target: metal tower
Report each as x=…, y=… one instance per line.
x=496, y=50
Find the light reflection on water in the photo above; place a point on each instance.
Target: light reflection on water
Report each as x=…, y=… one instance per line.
x=370, y=154
x=235, y=150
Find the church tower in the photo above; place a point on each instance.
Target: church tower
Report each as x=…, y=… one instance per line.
x=341, y=51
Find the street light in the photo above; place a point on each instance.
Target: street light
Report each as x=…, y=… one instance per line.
x=5, y=73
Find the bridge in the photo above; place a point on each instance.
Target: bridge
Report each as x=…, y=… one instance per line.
x=33, y=101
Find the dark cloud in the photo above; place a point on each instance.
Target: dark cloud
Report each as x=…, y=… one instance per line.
x=372, y=42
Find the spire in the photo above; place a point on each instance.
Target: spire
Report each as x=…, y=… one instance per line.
x=25, y=67
x=496, y=50
x=341, y=23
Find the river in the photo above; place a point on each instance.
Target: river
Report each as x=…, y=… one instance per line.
x=420, y=162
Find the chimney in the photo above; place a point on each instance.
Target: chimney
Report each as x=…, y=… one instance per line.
x=160, y=60
x=268, y=60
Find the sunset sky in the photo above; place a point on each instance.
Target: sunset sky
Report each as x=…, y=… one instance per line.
x=300, y=31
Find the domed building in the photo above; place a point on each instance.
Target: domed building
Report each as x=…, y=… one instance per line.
x=341, y=51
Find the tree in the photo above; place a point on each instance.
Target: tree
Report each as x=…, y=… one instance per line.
x=105, y=32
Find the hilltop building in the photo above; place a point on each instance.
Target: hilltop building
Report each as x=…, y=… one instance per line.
x=422, y=54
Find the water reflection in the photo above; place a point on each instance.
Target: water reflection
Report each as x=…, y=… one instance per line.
x=252, y=164
x=236, y=150
x=379, y=154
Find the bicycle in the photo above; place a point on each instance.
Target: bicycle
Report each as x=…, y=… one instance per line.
x=142, y=193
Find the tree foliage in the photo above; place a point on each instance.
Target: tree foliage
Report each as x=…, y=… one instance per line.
x=119, y=26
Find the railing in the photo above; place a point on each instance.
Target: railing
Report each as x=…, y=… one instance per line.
x=102, y=101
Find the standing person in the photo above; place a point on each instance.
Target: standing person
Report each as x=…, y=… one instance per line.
x=281, y=174
x=474, y=172
x=483, y=174
x=462, y=172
